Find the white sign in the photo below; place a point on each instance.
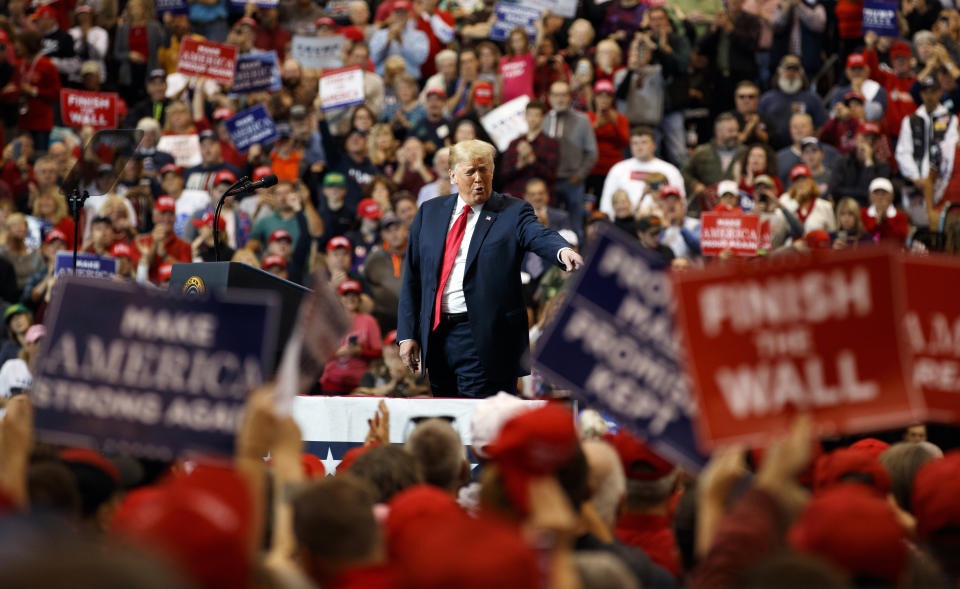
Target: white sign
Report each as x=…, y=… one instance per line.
x=506, y=122
x=318, y=53
x=341, y=88
x=185, y=149
x=564, y=8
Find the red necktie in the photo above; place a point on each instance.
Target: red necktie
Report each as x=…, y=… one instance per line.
x=450, y=249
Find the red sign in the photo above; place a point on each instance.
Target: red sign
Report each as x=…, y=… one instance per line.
x=97, y=109
x=811, y=333
x=215, y=61
x=932, y=326
x=736, y=232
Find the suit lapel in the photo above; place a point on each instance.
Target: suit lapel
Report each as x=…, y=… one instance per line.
x=488, y=215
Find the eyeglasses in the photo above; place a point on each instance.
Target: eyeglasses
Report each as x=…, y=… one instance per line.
x=747, y=96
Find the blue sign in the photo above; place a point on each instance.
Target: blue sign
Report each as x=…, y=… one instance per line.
x=239, y=5
x=131, y=370
x=880, y=17
x=256, y=73
x=172, y=6
x=250, y=127
x=510, y=16
x=89, y=265
x=613, y=345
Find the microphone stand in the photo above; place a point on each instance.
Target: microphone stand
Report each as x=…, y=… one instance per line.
x=238, y=187
x=75, y=202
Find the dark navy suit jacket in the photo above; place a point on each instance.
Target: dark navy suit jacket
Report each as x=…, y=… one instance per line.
x=506, y=229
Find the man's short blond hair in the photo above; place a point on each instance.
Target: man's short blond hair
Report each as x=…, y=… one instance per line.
x=472, y=149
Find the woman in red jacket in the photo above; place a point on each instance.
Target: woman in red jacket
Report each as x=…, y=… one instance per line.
x=613, y=134
x=38, y=84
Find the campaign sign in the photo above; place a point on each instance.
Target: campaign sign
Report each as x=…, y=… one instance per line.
x=250, y=127
x=729, y=231
x=810, y=333
x=880, y=17
x=564, y=8
x=89, y=265
x=239, y=5
x=216, y=61
x=256, y=73
x=131, y=370
x=97, y=109
x=506, y=122
x=613, y=345
x=318, y=53
x=932, y=325
x=172, y=6
x=510, y=16
x=341, y=88
x=185, y=149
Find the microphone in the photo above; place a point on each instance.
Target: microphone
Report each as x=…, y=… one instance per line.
x=265, y=182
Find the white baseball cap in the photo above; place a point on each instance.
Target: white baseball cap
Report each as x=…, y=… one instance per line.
x=727, y=187
x=489, y=416
x=881, y=184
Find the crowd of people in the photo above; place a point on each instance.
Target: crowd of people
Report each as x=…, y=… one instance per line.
x=538, y=501
x=640, y=115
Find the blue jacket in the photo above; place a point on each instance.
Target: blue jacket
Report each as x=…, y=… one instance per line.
x=506, y=230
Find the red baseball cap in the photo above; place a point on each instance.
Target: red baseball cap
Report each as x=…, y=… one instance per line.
x=273, y=260
x=856, y=60
x=669, y=190
x=465, y=552
x=280, y=234
x=534, y=443
x=223, y=112
x=369, y=209
x=349, y=285
x=201, y=521
x=868, y=128
x=224, y=176
x=91, y=458
x=817, y=239
x=603, y=86
x=249, y=22
x=936, y=488
x=313, y=467
x=854, y=95
x=390, y=338
x=639, y=462
x=339, y=241
x=121, y=250
x=45, y=11
x=420, y=504
x=260, y=171
x=207, y=220
x=170, y=168
x=325, y=21
x=351, y=455
x=800, y=170
x=854, y=529
x=850, y=465
x=54, y=235
x=402, y=5
x=900, y=49
x=164, y=272
x=871, y=446
x=165, y=203
x=437, y=91
x=483, y=93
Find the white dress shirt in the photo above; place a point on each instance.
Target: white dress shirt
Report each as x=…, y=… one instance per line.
x=453, y=300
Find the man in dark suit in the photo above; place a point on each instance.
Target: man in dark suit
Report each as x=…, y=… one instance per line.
x=461, y=309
